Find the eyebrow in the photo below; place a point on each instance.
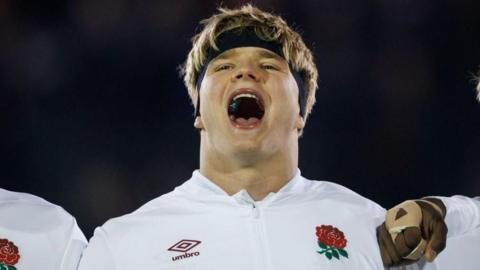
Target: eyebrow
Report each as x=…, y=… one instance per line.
x=224, y=55
x=269, y=54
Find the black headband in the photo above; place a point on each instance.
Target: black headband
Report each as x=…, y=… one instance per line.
x=246, y=37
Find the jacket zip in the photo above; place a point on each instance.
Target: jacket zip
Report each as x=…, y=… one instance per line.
x=262, y=255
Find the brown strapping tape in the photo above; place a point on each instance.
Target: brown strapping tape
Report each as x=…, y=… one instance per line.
x=413, y=218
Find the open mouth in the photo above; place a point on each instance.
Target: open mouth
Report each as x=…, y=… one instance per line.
x=246, y=109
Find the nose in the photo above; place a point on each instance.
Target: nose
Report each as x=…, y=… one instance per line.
x=246, y=73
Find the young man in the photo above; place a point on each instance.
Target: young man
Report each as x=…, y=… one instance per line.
x=252, y=81
x=35, y=234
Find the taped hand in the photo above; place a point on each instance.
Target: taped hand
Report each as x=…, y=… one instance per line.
x=411, y=230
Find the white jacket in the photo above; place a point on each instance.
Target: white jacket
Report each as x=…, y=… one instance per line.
x=463, y=243
x=199, y=226
x=35, y=234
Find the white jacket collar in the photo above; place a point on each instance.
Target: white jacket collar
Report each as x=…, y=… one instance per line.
x=200, y=185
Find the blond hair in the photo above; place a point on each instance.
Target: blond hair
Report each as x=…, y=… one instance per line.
x=478, y=86
x=268, y=27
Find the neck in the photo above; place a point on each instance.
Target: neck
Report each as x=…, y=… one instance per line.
x=258, y=178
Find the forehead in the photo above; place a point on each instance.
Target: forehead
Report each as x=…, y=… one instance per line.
x=256, y=52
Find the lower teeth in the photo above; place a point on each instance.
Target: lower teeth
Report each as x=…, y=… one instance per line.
x=243, y=121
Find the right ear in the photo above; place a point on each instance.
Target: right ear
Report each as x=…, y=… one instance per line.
x=198, y=122
x=300, y=123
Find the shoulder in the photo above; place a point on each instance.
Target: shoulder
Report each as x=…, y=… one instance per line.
x=164, y=207
x=7, y=196
x=329, y=191
x=20, y=207
x=116, y=233
x=33, y=223
x=183, y=200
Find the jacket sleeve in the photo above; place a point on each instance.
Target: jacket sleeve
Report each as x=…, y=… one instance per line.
x=74, y=248
x=97, y=255
x=463, y=219
x=463, y=214
x=420, y=265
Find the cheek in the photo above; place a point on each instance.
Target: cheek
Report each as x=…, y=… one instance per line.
x=211, y=98
x=286, y=104
x=288, y=95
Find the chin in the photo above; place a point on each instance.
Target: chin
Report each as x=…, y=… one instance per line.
x=246, y=146
x=249, y=150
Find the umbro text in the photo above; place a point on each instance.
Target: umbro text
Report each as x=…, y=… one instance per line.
x=186, y=255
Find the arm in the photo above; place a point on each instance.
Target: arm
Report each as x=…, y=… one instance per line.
x=416, y=228
x=463, y=214
x=97, y=255
x=411, y=230
x=73, y=251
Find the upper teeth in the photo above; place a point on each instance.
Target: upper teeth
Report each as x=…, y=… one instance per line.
x=245, y=95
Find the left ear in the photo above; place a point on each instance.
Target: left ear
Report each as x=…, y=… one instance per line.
x=299, y=123
x=198, y=122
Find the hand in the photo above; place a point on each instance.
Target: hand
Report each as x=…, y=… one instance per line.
x=411, y=230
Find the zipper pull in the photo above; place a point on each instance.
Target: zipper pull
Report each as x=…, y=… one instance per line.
x=255, y=211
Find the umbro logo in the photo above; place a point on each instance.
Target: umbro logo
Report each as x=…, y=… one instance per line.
x=185, y=246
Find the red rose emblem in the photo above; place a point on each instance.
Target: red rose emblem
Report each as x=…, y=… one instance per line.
x=332, y=242
x=8, y=252
x=331, y=236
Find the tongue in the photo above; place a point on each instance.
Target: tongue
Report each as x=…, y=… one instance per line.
x=244, y=122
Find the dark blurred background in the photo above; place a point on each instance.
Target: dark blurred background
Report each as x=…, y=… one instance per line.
x=95, y=118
